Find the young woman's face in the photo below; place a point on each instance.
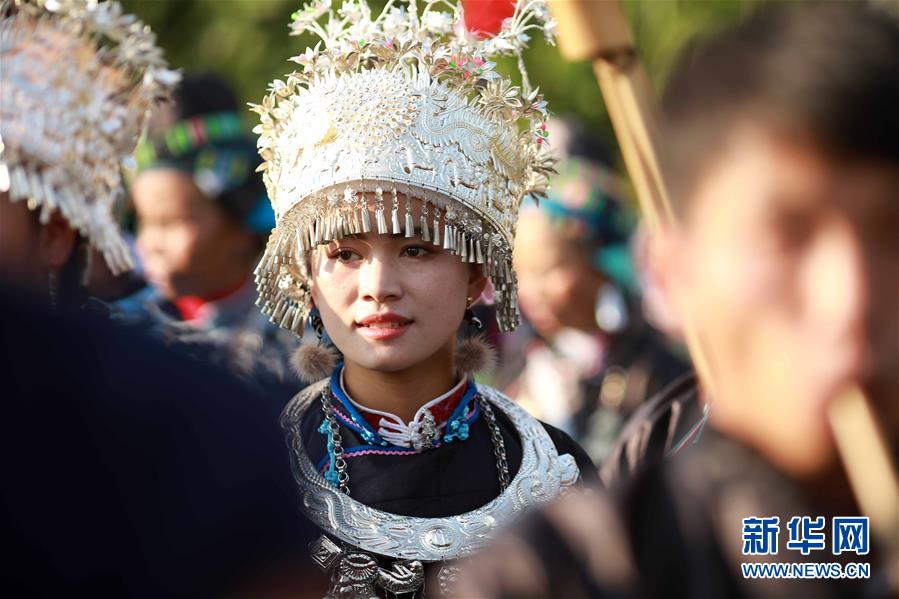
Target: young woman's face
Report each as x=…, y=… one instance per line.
x=390, y=302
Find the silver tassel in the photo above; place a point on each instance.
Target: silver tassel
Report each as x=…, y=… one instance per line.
x=279, y=310
x=479, y=253
x=394, y=217
x=382, y=221
x=366, y=220
x=301, y=247
x=297, y=322
x=379, y=211
x=293, y=251
x=260, y=268
x=436, y=239
x=287, y=319
x=464, y=249
x=425, y=234
x=50, y=203
x=447, y=237
x=18, y=183
x=410, y=224
x=395, y=221
x=36, y=188
x=471, y=258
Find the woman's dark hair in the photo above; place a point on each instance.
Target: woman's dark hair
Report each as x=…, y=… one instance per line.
x=825, y=73
x=203, y=93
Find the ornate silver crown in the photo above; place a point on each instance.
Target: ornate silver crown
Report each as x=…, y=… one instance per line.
x=77, y=81
x=390, y=109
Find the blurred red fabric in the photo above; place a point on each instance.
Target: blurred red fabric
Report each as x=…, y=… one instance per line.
x=485, y=17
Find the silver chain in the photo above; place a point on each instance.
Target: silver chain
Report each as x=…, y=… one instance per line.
x=343, y=477
x=499, y=446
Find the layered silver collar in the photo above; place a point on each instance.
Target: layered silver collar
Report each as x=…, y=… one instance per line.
x=541, y=477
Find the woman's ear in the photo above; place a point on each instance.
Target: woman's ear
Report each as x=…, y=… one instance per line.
x=476, y=281
x=56, y=241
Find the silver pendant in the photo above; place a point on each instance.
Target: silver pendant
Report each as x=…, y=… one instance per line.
x=428, y=433
x=357, y=575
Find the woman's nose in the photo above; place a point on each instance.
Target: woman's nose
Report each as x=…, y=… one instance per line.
x=379, y=280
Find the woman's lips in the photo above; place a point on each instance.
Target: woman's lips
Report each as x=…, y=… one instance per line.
x=381, y=327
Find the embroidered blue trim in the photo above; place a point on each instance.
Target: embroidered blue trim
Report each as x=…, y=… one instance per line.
x=331, y=475
x=463, y=403
x=369, y=434
x=457, y=426
x=462, y=416
x=380, y=449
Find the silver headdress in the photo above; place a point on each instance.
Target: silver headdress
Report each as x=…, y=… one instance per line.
x=405, y=103
x=77, y=80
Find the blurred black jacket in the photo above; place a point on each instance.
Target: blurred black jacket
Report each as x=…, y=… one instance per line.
x=131, y=470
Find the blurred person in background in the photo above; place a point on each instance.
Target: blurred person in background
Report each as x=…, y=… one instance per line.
x=593, y=357
x=202, y=217
x=781, y=137
x=71, y=112
x=116, y=481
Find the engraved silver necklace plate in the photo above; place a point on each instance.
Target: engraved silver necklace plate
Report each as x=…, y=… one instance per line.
x=542, y=476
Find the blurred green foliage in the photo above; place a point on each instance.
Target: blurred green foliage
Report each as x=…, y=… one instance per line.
x=247, y=42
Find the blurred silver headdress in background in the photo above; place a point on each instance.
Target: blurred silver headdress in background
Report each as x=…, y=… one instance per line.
x=78, y=78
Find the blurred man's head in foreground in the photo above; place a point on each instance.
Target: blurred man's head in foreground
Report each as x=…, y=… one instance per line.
x=782, y=142
x=201, y=208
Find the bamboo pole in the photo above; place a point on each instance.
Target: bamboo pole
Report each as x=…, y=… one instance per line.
x=598, y=31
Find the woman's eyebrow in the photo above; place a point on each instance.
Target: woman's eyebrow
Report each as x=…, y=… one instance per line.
x=416, y=234
x=361, y=237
